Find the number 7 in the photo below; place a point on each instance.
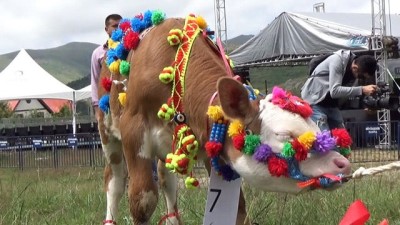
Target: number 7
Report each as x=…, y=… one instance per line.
x=216, y=198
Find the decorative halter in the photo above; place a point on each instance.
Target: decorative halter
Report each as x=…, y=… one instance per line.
x=124, y=39
x=185, y=146
x=285, y=163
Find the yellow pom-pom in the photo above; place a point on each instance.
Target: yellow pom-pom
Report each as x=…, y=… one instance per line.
x=201, y=22
x=215, y=112
x=165, y=112
x=191, y=183
x=114, y=66
x=256, y=91
x=307, y=139
x=175, y=36
x=112, y=44
x=236, y=127
x=122, y=98
x=167, y=75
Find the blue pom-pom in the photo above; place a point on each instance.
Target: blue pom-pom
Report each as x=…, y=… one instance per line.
x=228, y=173
x=120, y=51
x=111, y=56
x=117, y=35
x=104, y=103
x=147, y=19
x=137, y=25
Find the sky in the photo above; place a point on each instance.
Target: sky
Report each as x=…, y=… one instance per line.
x=41, y=24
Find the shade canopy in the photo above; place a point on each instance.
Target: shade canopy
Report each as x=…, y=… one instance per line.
x=23, y=78
x=303, y=34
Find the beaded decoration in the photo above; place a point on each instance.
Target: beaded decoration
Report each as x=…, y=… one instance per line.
x=185, y=145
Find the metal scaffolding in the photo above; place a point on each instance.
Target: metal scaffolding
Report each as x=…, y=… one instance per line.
x=380, y=52
x=220, y=21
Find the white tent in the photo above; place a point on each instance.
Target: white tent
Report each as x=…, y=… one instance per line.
x=83, y=93
x=23, y=78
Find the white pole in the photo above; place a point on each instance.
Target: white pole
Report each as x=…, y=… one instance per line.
x=73, y=113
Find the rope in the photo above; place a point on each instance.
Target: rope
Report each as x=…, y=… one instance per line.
x=360, y=172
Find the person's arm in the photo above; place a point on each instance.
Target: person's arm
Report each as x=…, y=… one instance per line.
x=337, y=90
x=95, y=68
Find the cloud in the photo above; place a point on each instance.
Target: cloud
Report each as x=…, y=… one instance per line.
x=38, y=24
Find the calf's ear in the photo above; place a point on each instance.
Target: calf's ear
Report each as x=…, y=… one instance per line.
x=234, y=99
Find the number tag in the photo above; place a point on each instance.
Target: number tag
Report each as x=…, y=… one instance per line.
x=222, y=201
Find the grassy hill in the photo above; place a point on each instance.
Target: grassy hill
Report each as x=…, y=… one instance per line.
x=290, y=78
x=70, y=64
x=67, y=63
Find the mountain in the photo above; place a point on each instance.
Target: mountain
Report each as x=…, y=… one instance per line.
x=67, y=63
x=235, y=42
x=70, y=63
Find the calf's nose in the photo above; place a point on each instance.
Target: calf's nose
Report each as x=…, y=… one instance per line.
x=343, y=165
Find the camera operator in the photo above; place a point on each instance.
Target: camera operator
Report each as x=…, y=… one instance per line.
x=333, y=79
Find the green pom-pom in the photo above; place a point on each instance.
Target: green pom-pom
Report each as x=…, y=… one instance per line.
x=157, y=17
x=250, y=144
x=345, y=151
x=287, y=150
x=124, y=68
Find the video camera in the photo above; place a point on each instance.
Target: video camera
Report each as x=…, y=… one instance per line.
x=381, y=99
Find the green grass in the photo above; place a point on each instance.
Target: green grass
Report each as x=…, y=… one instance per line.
x=75, y=196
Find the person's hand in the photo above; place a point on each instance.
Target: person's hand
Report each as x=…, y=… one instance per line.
x=369, y=89
x=96, y=112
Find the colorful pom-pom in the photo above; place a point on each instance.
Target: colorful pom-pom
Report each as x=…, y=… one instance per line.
x=157, y=17
x=106, y=83
x=137, y=24
x=307, y=139
x=175, y=36
x=124, y=68
x=125, y=25
x=236, y=127
x=167, y=75
x=287, y=150
x=278, y=167
x=117, y=35
x=166, y=112
x=301, y=150
x=131, y=40
x=147, y=19
x=238, y=141
x=263, y=152
x=122, y=98
x=324, y=142
x=111, y=43
x=345, y=152
x=228, y=173
x=250, y=143
x=215, y=113
x=213, y=149
x=343, y=138
x=191, y=183
x=104, y=103
x=114, y=66
x=201, y=22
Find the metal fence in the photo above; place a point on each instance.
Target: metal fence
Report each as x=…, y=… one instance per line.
x=84, y=149
x=51, y=151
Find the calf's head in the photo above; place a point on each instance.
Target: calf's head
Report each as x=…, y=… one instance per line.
x=276, y=146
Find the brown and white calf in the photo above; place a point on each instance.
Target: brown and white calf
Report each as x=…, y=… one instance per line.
x=115, y=172
x=145, y=136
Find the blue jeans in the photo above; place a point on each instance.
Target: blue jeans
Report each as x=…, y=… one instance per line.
x=327, y=118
